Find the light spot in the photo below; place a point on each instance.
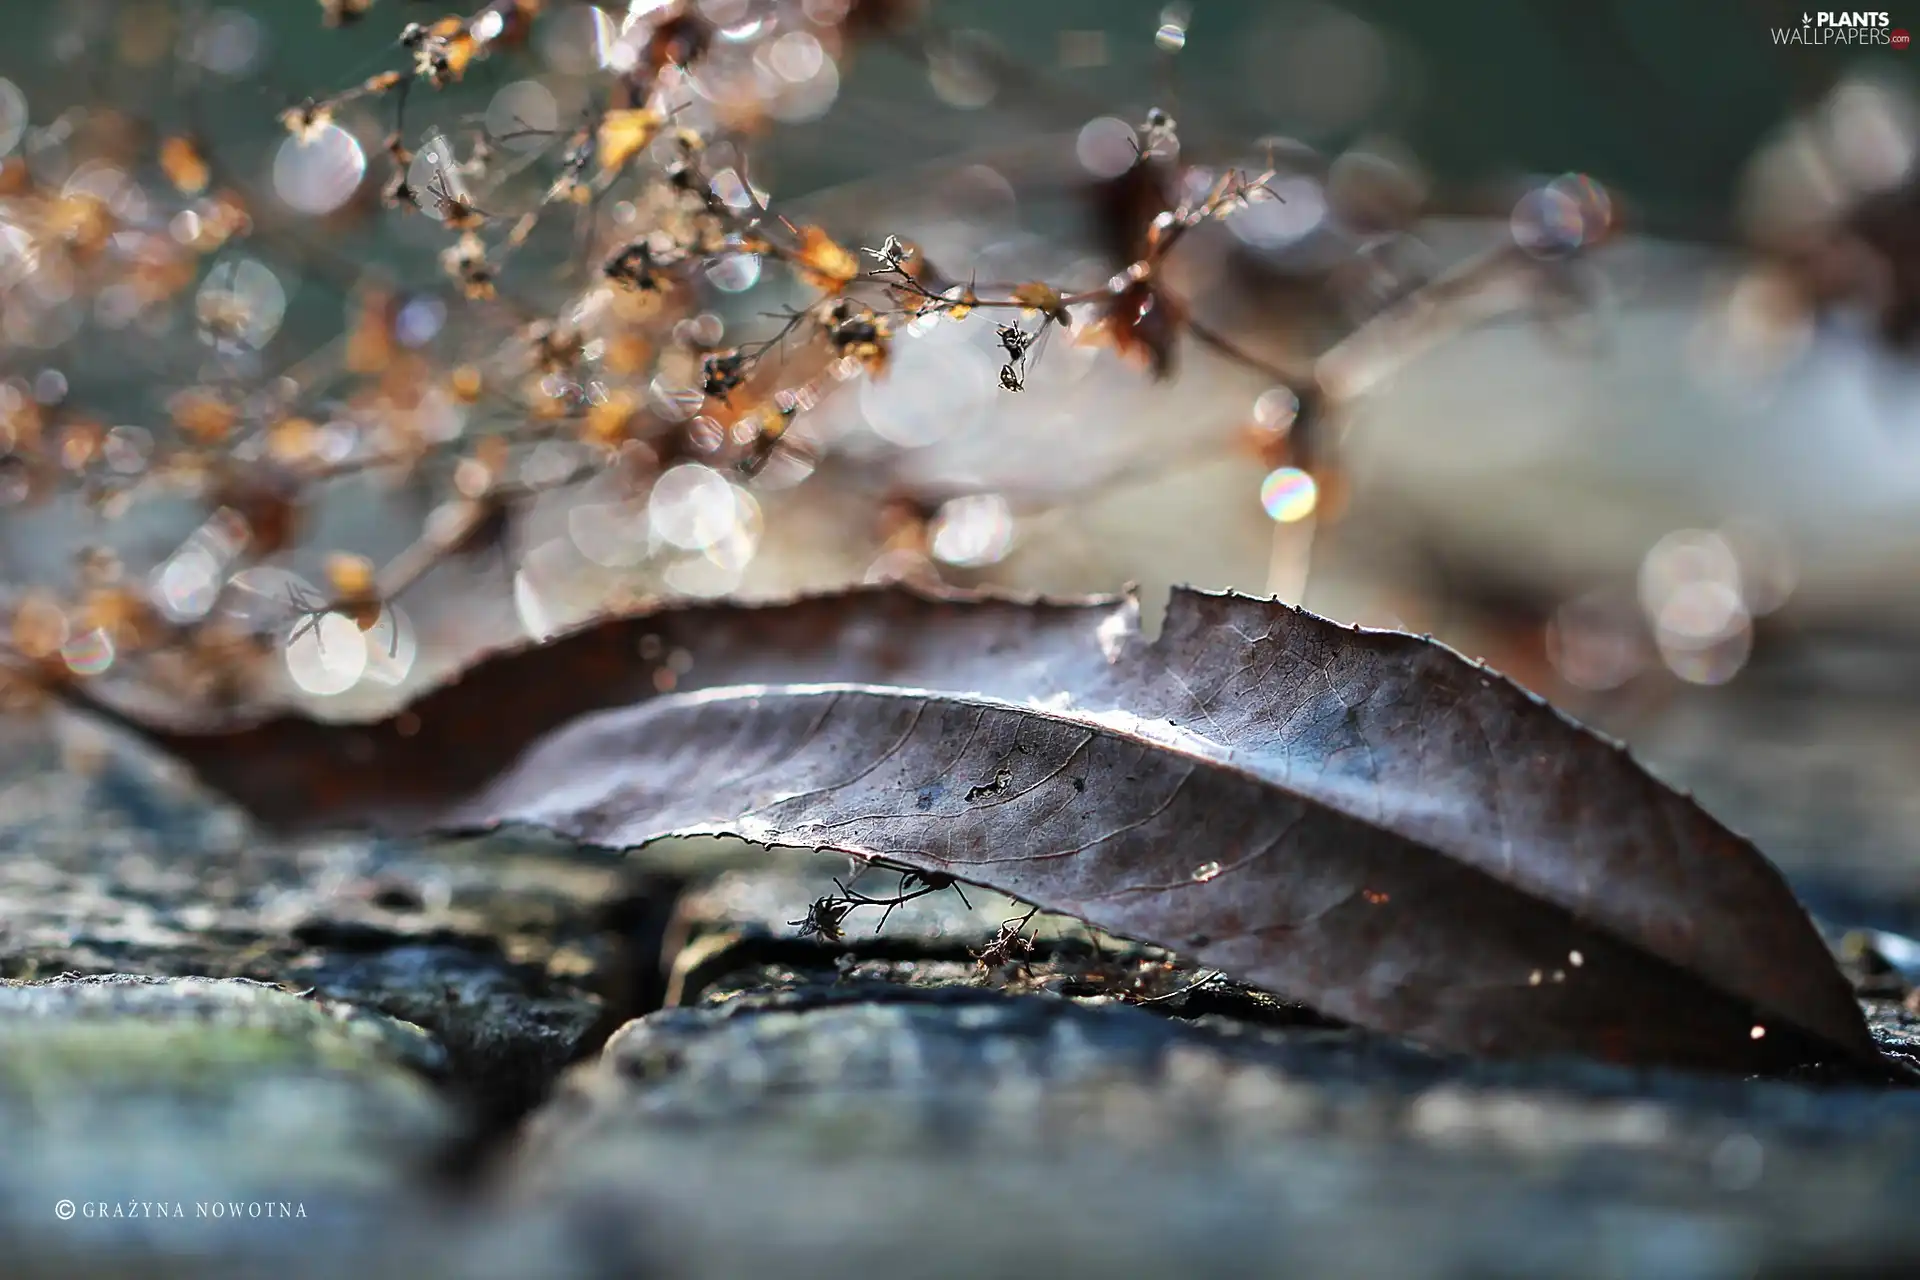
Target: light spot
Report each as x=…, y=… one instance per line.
x=13, y=115
x=1206, y=871
x=240, y=304
x=957, y=74
x=1106, y=147
x=317, y=175
x=391, y=648
x=972, y=531
x=1298, y=209
x=89, y=654
x=523, y=116
x=796, y=57
x=326, y=656
x=227, y=43
x=187, y=583
x=734, y=272
x=693, y=507
x=1274, y=411
x=1289, y=495
x=1758, y=1033
x=1575, y=959
x=1737, y=1162
x=611, y=534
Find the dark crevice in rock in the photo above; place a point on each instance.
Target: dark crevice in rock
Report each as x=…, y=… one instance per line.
x=1060, y=967
x=499, y=1085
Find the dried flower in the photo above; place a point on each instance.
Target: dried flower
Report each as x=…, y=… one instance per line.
x=823, y=263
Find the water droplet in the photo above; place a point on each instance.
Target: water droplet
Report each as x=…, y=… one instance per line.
x=1205, y=871
x=1289, y=494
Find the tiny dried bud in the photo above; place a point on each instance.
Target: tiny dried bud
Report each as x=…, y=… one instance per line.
x=823, y=263
x=466, y=261
x=465, y=383
x=339, y=13
x=350, y=575
x=308, y=120
x=353, y=582
x=722, y=371
x=40, y=626
x=679, y=38
x=634, y=266
x=609, y=423
x=186, y=168
x=1041, y=297
x=293, y=441
x=266, y=500
x=624, y=133
x=203, y=415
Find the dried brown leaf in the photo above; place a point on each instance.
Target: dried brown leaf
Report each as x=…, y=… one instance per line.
x=1361, y=821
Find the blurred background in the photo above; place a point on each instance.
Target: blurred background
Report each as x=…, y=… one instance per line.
x=1578, y=336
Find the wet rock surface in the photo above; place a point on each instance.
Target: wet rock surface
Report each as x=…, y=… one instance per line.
x=505, y=1057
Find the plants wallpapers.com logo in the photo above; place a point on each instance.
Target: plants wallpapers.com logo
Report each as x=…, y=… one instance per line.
x=1853, y=28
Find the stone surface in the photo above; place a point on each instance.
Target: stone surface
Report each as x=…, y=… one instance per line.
x=367, y=1030
x=816, y=1128
x=268, y=1121
x=512, y=953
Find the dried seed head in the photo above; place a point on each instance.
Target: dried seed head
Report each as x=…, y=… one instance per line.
x=823, y=263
